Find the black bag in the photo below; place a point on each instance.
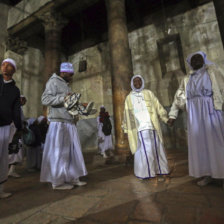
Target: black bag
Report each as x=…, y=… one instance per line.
x=29, y=137
x=107, y=127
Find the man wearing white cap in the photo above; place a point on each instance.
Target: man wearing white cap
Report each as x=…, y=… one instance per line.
x=63, y=162
x=9, y=112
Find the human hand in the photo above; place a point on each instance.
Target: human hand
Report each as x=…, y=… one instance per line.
x=170, y=122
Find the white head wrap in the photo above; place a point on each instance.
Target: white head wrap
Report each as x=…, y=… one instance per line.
x=132, y=84
x=11, y=61
x=66, y=67
x=206, y=61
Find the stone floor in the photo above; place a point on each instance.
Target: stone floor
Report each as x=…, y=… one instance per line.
x=114, y=196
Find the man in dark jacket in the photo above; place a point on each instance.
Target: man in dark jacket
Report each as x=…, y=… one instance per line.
x=9, y=112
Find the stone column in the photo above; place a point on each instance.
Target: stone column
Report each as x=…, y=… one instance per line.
x=53, y=24
x=219, y=6
x=121, y=66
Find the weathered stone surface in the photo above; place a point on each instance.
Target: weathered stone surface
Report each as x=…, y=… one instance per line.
x=148, y=210
x=212, y=215
x=44, y=218
x=177, y=215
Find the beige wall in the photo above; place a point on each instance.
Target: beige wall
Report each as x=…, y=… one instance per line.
x=23, y=10
x=32, y=86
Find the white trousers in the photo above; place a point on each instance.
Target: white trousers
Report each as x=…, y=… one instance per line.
x=62, y=157
x=4, y=143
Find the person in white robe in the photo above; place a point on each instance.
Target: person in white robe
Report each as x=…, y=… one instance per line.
x=141, y=123
x=201, y=93
x=105, y=143
x=9, y=112
x=63, y=163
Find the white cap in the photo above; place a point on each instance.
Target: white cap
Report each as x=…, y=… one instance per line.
x=11, y=61
x=66, y=67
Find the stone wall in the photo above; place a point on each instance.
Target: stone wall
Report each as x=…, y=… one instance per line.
x=23, y=10
x=95, y=85
x=32, y=82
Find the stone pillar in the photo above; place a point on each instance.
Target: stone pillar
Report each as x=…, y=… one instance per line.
x=121, y=67
x=219, y=6
x=53, y=24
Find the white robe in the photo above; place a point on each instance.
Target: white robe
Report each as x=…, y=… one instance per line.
x=4, y=144
x=62, y=157
x=104, y=142
x=150, y=158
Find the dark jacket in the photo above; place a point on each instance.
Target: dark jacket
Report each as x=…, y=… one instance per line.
x=10, y=110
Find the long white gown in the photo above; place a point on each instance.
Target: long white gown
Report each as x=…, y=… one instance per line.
x=63, y=161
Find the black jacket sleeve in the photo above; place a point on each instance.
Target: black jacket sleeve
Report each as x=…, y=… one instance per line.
x=17, y=112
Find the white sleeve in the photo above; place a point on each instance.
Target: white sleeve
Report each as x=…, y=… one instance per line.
x=179, y=101
x=50, y=97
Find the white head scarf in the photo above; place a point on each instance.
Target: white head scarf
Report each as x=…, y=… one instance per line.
x=206, y=61
x=132, y=84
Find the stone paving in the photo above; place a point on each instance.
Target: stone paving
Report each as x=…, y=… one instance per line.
x=114, y=196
